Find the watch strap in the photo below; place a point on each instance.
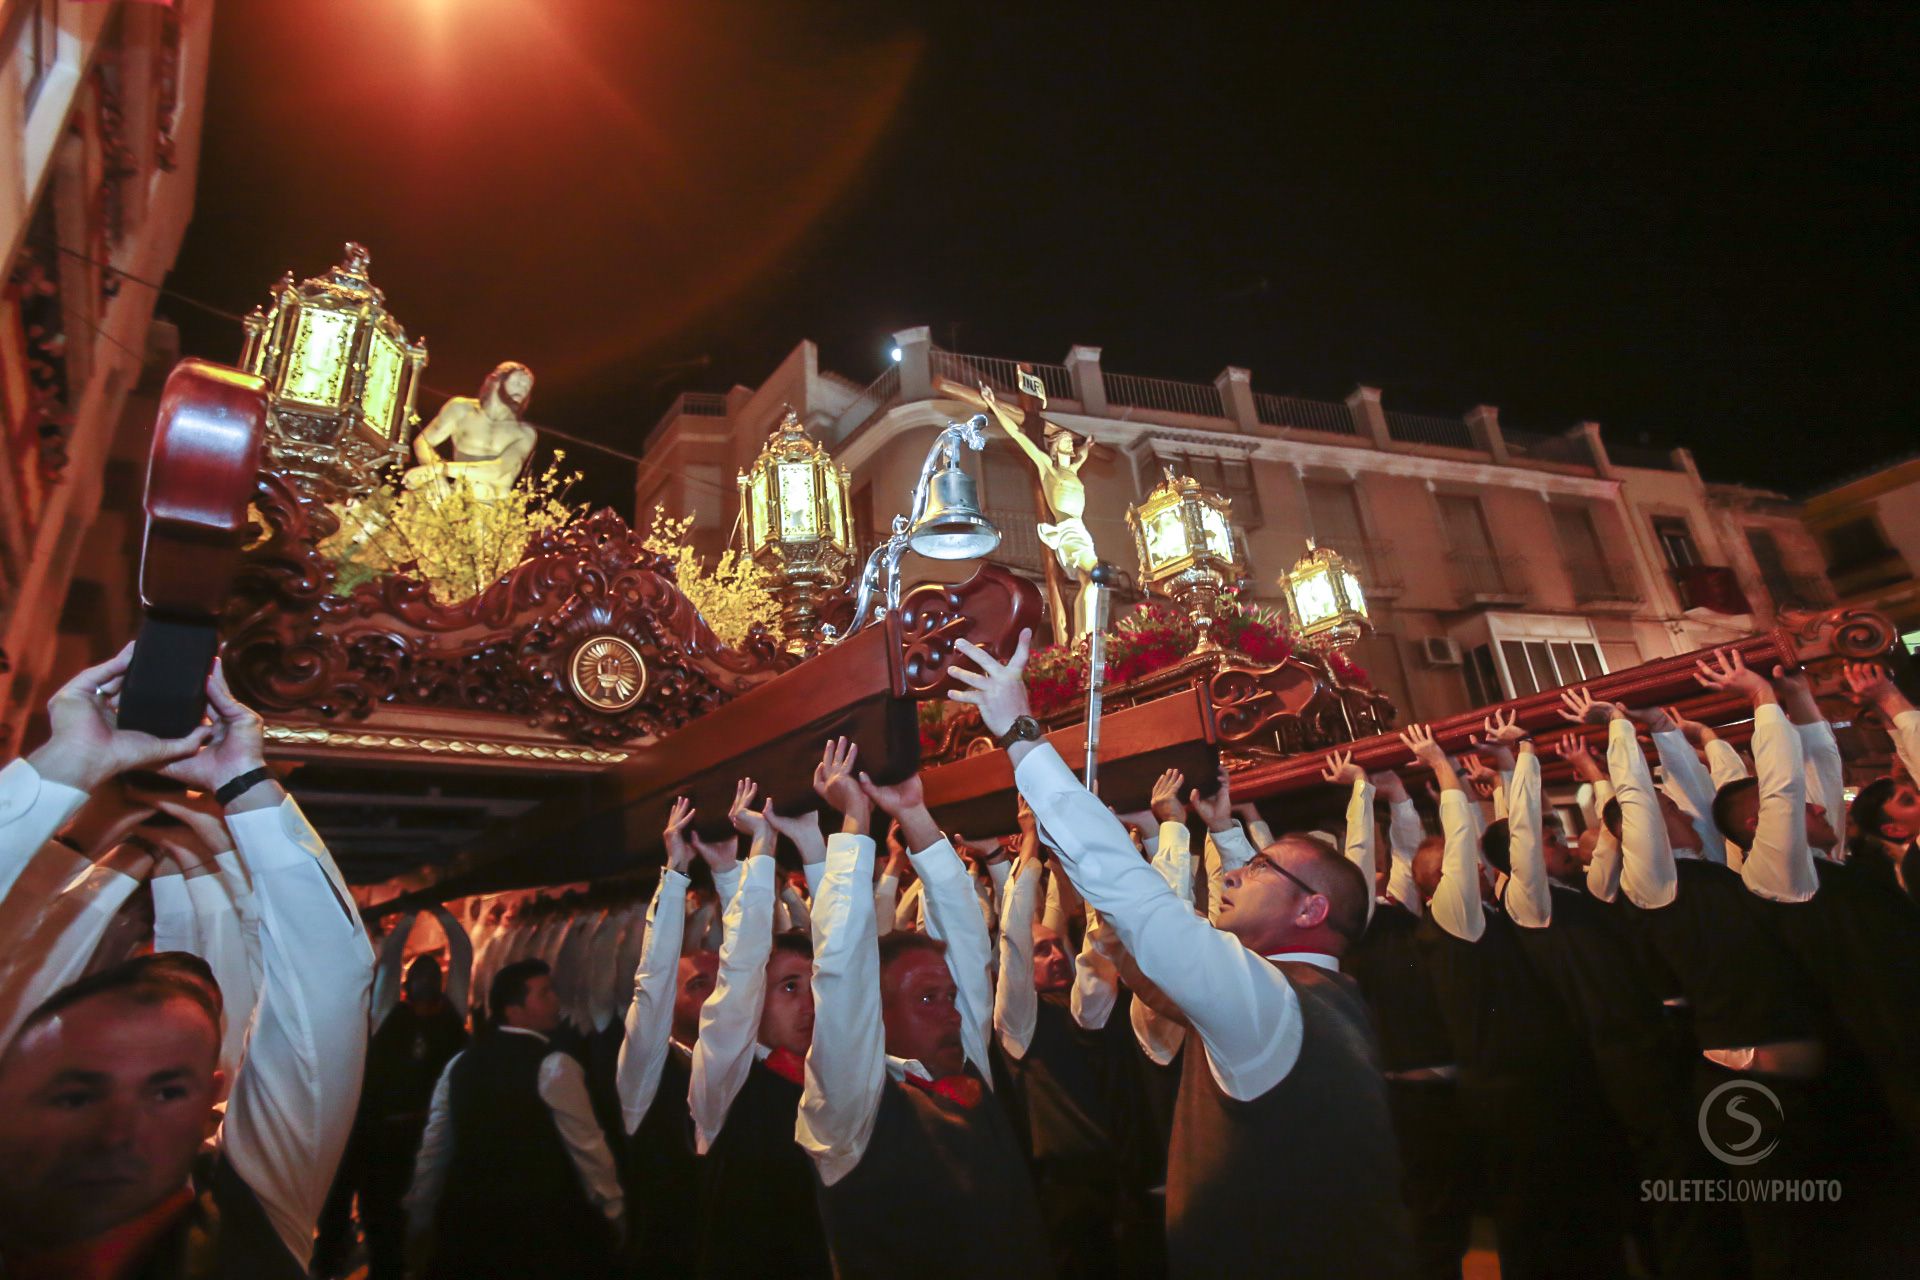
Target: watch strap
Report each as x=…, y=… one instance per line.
x=234, y=788
x=1023, y=729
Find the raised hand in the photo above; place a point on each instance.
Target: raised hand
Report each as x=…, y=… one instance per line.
x=1577, y=706
x=86, y=747
x=720, y=855
x=1342, y=771
x=679, y=852
x=1474, y=767
x=1727, y=670
x=1697, y=733
x=1029, y=825
x=835, y=783
x=803, y=831
x=747, y=820
x=998, y=689
x=1572, y=748
x=1418, y=739
x=1653, y=719
x=1389, y=786
x=1216, y=811
x=1165, y=803
x=1870, y=685
x=1795, y=692
x=1504, y=727
x=907, y=804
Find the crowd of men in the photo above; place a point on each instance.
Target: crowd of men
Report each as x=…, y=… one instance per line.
x=1675, y=1037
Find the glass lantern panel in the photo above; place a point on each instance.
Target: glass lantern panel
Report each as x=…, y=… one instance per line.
x=1219, y=535
x=316, y=366
x=380, y=396
x=1356, y=598
x=757, y=510
x=1313, y=598
x=1166, y=538
x=836, y=518
x=796, y=502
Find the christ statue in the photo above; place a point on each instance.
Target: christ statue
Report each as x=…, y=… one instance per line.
x=1059, y=467
x=491, y=442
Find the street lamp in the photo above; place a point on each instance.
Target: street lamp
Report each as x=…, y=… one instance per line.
x=1325, y=598
x=341, y=378
x=1183, y=534
x=794, y=513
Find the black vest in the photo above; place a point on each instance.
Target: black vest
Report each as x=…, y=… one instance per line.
x=1302, y=1181
x=758, y=1216
x=1744, y=986
x=404, y=1060
x=1386, y=963
x=661, y=1175
x=1585, y=958
x=1073, y=1084
x=513, y=1197
x=1506, y=1026
x=940, y=1192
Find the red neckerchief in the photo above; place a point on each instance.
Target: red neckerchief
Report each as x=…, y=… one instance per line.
x=786, y=1064
x=962, y=1089
x=116, y=1252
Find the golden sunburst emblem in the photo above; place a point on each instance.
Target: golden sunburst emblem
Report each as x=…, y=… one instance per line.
x=608, y=674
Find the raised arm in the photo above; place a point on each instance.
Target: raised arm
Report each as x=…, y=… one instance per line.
x=847, y=1062
x=1014, y=432
x=1689, y=783
x=643, y=1054
x=1647, y=872
x=1245, y=1010
x=1826, y=774
x=952, y=911
x=730, y=1019
x=292, y=1106
x=1341, y=771
x=1779, y=865
x=1016, y=1005
x=1456, y=905
x=1872, y=687
x=1227, y=848
x=1405, y=831
x=460, y=956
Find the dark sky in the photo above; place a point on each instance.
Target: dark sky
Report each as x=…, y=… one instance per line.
x=1694, y=226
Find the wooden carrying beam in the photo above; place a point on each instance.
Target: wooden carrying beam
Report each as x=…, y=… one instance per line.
x=1847, y=633
x=867, y=688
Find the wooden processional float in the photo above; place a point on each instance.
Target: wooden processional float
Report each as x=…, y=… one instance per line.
x=586, y=666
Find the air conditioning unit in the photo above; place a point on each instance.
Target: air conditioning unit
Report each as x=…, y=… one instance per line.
x=1440, y=651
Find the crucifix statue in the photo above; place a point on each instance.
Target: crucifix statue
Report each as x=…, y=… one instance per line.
x=1057, y=468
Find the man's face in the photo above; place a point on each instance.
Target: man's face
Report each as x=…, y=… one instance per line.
x=541, y=1010
x=102, y=1110
x=786, y=1018
x=1262, y=907
x=691, y=991
x=423, y=986
x=918, y=1003
x=1681, y=833
x=1819, y=831
x=1562, y=863
x=1052, y=966
x=1902, y=811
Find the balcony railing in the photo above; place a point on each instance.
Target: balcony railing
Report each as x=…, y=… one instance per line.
x=1200, y=399
x=1489, y=578
x=1713, y=587
x=881, y=394
x=1603, y=582
x=1547, y=448
x=1308, y=415
x=1002, y=375
x=1420, y=428
x=698, y=404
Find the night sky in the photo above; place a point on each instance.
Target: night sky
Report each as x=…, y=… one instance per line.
x=1695, y=227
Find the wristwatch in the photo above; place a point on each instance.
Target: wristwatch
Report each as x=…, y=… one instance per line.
x=1023, y=729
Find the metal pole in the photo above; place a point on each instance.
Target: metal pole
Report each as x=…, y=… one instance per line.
x=1096, y=666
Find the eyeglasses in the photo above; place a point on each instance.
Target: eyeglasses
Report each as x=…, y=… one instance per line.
x=1262, y=860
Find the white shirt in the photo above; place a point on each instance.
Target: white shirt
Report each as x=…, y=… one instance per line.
x=198, y=914
x=1529, y=894
x=1016, y=1004
x=600, y=966
x=292, y=1104
x=32, y=808
x=1647, y=873
x=1096, y=977
x=1222, y=852
x=1456, y=905
x=60, y=939
x=1779, y=866
x=643, y=1054
x=1826, y=780
x=1158, y=1035
x=1246, y=1012
x=1692, y=788
x=1906, y=741
x=953, y=917
x=730, y=1018
x=1361, y=835
x=563, y=1087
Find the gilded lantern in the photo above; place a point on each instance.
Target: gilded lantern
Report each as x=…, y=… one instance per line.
x=1325, y=597
x=1183, y=535
x=797, y=524
x=341, y=379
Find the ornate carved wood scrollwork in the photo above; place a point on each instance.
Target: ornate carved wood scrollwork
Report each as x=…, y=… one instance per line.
x=991, y=608
x=293, y=646
x=1295, y=705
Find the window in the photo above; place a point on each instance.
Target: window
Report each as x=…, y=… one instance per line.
x=1333, y=515
x=1579, y=540
x=1483, y=679
x=1676, y=541
x=1465, y=525
x=1531, y=653
x=1856, y=544
x=39, y=47
x=1534, y=666
x=1232, y=477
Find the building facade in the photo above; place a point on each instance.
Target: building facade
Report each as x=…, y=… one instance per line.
x=100, y=118
x=1496, y=561
x=1869, y=528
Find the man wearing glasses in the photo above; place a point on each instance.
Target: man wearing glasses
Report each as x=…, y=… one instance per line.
x=1286, y=1095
